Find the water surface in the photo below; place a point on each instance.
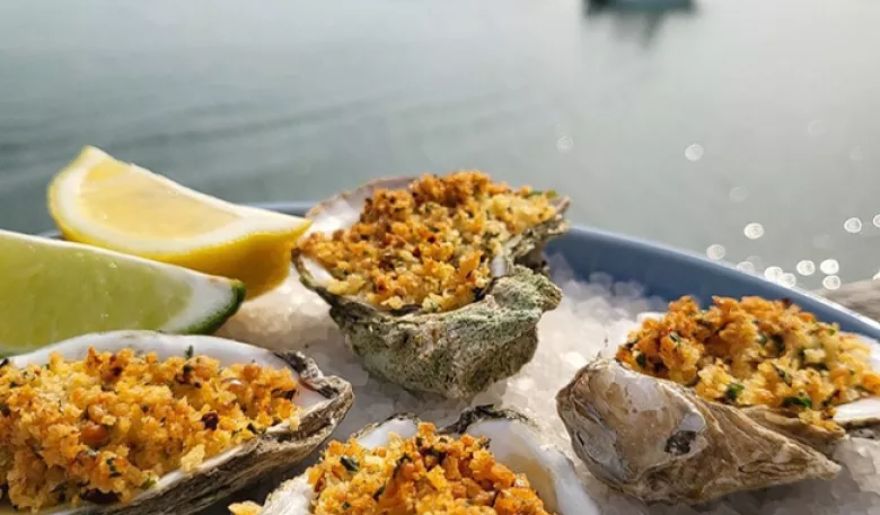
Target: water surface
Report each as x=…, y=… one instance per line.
x=682, y=123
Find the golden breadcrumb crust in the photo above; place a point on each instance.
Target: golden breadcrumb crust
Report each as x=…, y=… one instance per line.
x=104, y=428
x=755, y=351
x=428, y=246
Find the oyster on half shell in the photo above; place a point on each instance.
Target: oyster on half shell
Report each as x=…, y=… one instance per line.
x=513, y=440
x=658, y=441
x=456, y=353
x=323, y=401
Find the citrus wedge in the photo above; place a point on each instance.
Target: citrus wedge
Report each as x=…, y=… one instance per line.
x=53, y=290
x=99, y=200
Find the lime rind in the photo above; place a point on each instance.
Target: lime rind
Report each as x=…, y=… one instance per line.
x=210, y=324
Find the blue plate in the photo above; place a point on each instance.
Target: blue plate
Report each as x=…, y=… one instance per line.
x=666, y=272
x=671, y=273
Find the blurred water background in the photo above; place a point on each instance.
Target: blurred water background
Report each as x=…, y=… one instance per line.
x=746, y=130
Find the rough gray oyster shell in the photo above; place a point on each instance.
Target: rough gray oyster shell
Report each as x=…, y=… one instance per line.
x=457, y=353
x=658, y=441
x=513, y=440
x=325, y=400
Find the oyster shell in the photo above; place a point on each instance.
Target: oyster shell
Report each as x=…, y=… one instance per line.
x=324, y=402
x=861, y=417
x=457, y=353
x=658, y=441
x=514, y=441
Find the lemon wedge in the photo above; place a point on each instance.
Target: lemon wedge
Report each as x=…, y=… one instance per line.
x=102, y=201
x=54, y=290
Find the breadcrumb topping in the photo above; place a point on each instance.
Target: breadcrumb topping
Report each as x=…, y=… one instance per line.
x=429, y=246
x=755, y=352
x=245, y=508
x=104, y=428
x=428, y=473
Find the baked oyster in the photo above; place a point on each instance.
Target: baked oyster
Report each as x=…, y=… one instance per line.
x=436, y=281
x=701, y=403
x=487, y=459
x=142, y=422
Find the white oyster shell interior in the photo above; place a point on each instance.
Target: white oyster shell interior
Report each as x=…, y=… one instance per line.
x=513, y=442
x=228, y=352
x=343, y=210
x=860, y=412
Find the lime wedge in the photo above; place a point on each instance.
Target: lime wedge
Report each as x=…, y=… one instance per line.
x=53, y=290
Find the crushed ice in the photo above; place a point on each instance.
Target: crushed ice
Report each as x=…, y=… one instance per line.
x=594, y=317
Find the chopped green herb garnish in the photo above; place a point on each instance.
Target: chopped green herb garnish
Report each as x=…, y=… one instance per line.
x=786, y=378
x=349, y=463
x=675, y=337
x=642, y=360
x=799, y=400
x=189, y=352
x=733, y=391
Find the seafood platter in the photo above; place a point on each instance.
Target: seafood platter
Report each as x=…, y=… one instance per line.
x=433, y=344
